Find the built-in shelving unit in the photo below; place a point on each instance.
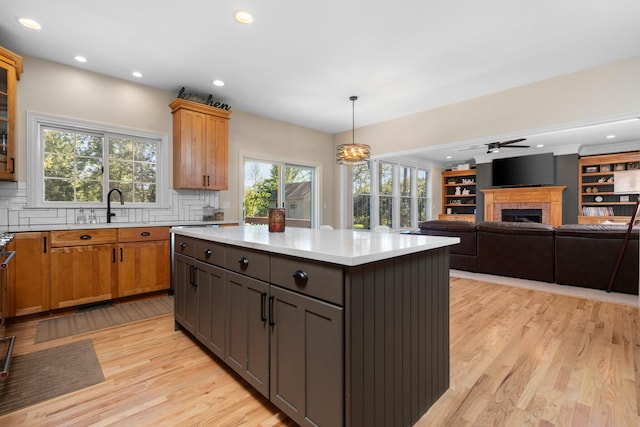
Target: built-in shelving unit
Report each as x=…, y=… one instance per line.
x=459, y=195
x=597, y=201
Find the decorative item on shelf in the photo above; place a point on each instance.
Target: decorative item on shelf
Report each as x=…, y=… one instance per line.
x=619, y=167
x=591, y=169
x=457, y=191
x=594, y=190
x=602, y=179
x=277, y=220
x=465, y=192
x=598, y=199
x=627, y=182
x=452, y=181
x=624, y=199
x=449, y=210
x=632, y=165
x=468, y=181
x=353, y=154
x=588, y=189
x=463, y=167
x=605, y=168
x=183, y=94
x=610, y=179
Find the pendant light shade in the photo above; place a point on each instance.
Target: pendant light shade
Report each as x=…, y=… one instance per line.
x=353, y=154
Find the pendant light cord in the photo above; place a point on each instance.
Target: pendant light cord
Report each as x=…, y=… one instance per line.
x=353, y=119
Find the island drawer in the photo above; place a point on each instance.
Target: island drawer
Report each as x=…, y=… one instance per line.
x=142, y=234
x=319, y=280
x=248, y=262
x=96, y=236
x=210, y=252
x=184, y=245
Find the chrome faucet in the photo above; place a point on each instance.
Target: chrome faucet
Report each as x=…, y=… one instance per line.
x=109, y=213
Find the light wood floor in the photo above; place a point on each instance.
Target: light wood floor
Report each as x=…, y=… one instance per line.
x=518, y=357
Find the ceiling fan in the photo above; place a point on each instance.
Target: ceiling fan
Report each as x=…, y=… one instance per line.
x=494, y=147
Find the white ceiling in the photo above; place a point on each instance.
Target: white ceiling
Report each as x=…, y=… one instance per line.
x=300, y=61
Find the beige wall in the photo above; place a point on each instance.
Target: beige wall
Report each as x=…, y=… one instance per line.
x=55, y=89
x=601, y=92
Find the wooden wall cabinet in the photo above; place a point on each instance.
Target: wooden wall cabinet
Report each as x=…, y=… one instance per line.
x=144, y=260
x=597, y=201
x=459, y=207
x=10, y=70
x=28, y=274
x=200, y=146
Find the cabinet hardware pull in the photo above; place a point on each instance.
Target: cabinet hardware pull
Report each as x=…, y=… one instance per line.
x=44, y=249
x=204, y=181
x=272, y=322
x=300, y=276
x=85, y=237
x=145, y=234
x=113, y=251
x=244, y=262
x=183, y=245
x=13, y=165
x=192, y=280
x=208, y=181
x=207, y=252
x=263, y=301
x=120, y=254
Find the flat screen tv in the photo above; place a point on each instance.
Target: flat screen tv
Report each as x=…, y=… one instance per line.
x=523, y=171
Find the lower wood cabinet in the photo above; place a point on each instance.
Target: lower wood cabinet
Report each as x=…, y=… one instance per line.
x=82, y=275
x=65, y=268
x=28, y=274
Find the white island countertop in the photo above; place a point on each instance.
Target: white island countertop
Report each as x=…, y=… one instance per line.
x=344, y=247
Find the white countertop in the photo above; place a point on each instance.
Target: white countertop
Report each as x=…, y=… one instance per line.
x=55, y=227
x=345, y=247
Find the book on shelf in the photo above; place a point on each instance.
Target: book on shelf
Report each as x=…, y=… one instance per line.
x=597, y=211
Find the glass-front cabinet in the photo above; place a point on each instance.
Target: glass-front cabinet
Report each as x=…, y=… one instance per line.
x=10, y=70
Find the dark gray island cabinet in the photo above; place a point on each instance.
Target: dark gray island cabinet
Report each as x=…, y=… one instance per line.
x=334, y=327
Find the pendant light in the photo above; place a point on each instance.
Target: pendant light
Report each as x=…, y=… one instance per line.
x=353, y=154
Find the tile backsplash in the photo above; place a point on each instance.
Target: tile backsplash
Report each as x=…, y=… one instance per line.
x=184, y=205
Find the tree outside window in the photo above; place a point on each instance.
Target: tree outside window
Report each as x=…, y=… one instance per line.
x=361, y=183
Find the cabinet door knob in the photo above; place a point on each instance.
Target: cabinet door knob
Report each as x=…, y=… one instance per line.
x=145, y=234
x=183, y=245
x=244, y=262
x=85, y=237
x=208, y=252
x=300, y=277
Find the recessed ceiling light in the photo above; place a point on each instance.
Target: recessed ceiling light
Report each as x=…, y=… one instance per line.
x=448, y=157
x=80, y=58
x=30, y=23
x=136, y=74
x=244, y=17
x=610, y=136
x=218, y=83
x=539, y=145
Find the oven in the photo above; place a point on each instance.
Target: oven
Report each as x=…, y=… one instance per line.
x=6, y=342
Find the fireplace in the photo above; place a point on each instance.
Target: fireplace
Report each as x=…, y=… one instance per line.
x=522, y=215
x=548, y=199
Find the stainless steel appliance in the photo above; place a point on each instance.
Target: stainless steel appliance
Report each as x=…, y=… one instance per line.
x=5, y=341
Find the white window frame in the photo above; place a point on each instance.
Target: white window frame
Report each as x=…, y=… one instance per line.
x=316, y=189
x=347, y=180
x=35, y=158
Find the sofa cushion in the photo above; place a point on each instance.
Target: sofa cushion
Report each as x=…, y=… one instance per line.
x=466, y=231
x=517, y=249
x=586, y=256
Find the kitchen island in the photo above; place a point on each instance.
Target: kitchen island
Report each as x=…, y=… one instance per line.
x=335, y=327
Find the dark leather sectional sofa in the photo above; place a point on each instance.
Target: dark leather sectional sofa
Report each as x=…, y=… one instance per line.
x=577, y=255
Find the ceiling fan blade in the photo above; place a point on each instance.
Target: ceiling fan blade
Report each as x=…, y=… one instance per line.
x=477, y=147
x=516, y=146
x=513, y=141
